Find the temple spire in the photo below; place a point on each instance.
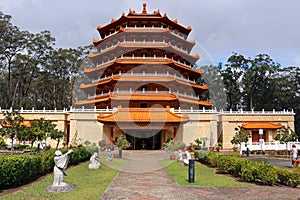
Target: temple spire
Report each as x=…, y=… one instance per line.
x=144, y=8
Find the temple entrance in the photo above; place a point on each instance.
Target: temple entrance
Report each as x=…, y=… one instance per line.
x=144, y=139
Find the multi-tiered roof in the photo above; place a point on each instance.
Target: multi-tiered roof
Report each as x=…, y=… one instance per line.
x=143, y=59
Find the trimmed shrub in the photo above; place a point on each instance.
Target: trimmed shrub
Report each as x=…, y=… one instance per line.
x=288, y=177
x=92, y=149
x=201, y=155
x=212, y=158
x=267, y=174
x=249, y=170
x=227, y=164
x=79, y=155
x=20, y=146
x=2, y=142
x=16, y=170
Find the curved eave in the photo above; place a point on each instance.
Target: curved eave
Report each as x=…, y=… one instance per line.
x=151, y=79
x=114, y=23
x=128, y=47
x=143, y=97
x=188, y=43
x=195, y=73
x=144, y=115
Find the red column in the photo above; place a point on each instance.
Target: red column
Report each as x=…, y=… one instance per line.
x=111, y=139
x=174, y=133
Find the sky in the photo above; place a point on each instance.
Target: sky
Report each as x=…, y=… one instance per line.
x=247, y=27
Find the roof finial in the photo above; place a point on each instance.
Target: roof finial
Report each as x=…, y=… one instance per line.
x=144, y=8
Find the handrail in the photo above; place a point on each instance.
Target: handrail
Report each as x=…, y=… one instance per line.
x=145, y=75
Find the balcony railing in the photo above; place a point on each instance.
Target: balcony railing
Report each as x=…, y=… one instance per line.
x=132, y=74
x=83, y=109
x=117, y=91
x=269, y=146
x=180, y=35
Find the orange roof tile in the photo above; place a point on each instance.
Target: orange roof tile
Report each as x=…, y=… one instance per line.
x=265, y=125
x=142, y=78
x=189, y=43
x=143, y=97
x=132, y=15
x=194, y=72
x=24, y=123
x=143, y=115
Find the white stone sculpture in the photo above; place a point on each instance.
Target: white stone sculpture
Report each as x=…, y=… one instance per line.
x=94, y=163
x=179, y=156
x=61, y=163
x=188, y=157
x=109, y=155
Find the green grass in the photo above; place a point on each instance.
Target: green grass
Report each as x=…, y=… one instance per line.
x=89, y=184
x=204, y=176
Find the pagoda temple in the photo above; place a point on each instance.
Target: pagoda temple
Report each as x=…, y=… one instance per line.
x=144, y=69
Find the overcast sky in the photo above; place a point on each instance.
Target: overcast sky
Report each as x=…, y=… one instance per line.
x=220, y=27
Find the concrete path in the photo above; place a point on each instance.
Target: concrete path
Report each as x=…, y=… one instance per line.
x=143, y=178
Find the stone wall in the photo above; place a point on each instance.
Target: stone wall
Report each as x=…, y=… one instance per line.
x=83, y=125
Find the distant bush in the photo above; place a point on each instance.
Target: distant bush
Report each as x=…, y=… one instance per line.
x=2, y=142
x=92, y=149
x=227, y=164
x=267, y=174
x=288, y=177
x=249, y=170
x=212, y=158
x=20, y=146
x=201, y=155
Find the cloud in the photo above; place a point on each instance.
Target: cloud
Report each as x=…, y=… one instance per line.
x=221, y=27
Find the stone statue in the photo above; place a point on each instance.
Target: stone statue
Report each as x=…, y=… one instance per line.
x=61, y=163
x=179, y=156
x=188, y=157
x=94, y=163
x=109, y=155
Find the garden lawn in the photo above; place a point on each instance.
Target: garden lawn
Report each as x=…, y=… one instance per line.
x=204, y=176
x=89, y=184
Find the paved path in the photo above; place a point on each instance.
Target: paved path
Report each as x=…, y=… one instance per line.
x=143, y=178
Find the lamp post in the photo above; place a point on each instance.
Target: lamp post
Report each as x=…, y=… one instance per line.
x=261, y=132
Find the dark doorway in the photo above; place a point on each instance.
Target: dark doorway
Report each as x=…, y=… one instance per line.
x=256, y=136
x=147, y=140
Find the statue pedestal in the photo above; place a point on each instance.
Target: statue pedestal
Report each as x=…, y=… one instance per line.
x=94, y=166
x=66, y=188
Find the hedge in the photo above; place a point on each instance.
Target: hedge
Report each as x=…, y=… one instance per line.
x=16, y=170
x=249, y=170
x=288, y=177
x=228, y=164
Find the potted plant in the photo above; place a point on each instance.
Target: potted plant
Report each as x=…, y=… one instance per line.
x=198, y=142
x=121, y=143
x=192, y=147
x=218, y=146
x=102, y=144
x=171, y=147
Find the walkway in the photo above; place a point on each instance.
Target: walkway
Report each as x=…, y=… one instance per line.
x=143, y=178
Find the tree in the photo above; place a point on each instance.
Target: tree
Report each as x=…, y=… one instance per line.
x=121, y=142
x=232, y=75
x=241, y=135
x=39, y=130
x=11, y=125
x=216, y=93
x=57, y=135
x=286, y=135
x=258, y=84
